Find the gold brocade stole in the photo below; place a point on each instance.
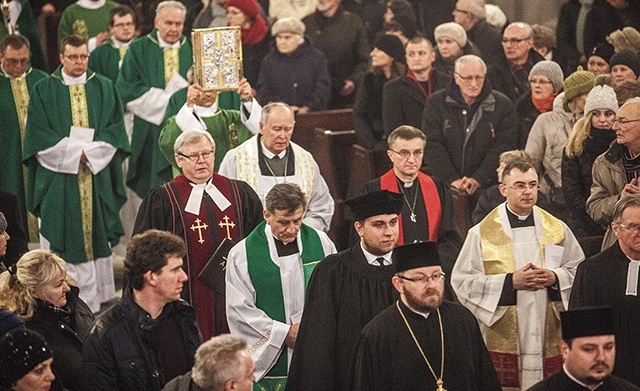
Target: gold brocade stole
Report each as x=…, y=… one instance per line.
x=21, y=100
x=122, y=50
x=80, y=117
x=171, y=63
x=499, y=258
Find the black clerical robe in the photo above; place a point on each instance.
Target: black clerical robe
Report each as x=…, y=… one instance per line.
x=163, y=208
x=344, y=293
x=602, y=281
x=387, y=357
x=559, y=381
x=449, y=240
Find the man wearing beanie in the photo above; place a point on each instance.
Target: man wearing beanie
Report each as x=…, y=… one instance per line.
x=510, y=75
x=610, y=278
x=598, y=60
x=588, y=349
x=625, y=65
x=514, y=272
x=470, y=14
x=421, y=342
x=468, y=125
x=346, y=291
x=551, y=130
x=342, y=37
x=155, y=66
x=403, y=98
x=294, y=72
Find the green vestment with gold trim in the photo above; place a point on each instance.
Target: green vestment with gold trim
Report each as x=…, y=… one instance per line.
x=85, y=22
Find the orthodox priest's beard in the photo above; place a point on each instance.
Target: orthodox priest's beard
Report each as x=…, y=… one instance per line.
x=426, y=302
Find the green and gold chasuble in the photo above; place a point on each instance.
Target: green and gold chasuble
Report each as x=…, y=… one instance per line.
x=27, y=26
x=79, y=213
x=143, y=67
x=105, y=59
x=85, y=22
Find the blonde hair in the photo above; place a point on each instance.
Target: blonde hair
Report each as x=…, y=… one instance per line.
x=507, y=157
x=35, y=269
x=581, y=130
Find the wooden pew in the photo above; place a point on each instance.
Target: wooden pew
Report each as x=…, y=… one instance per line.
x=363, y=169
x=462, y=204
x=331, y=150
x=306, y=124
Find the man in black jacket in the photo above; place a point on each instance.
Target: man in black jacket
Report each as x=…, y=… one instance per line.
x=149, y=336
x=470, y=14
x=467, y=126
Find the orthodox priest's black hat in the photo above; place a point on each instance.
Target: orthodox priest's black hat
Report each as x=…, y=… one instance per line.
x=379, y=202
x=586, y=322
x=415, y=255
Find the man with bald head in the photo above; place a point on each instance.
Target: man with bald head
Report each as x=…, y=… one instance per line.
x=470, y=14
x=153, y=68
x=511, y=74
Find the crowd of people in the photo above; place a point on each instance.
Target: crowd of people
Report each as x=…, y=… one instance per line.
x=231, y=278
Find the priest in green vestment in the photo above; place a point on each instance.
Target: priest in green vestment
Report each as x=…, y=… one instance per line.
x=23, y=23
x=267, y=276
x=229, y=128
x=106, y=59
x=74, y=146
x=88, y=19
x=17, y=78
x=154, y=67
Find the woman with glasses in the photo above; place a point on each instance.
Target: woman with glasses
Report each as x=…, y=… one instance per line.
x=545, y=80
x=38, y=290
x=590, y=138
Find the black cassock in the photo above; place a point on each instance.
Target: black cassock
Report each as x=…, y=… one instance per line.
x=559, y=381
x=387, y=357
x=602, y=281
x=344, y=294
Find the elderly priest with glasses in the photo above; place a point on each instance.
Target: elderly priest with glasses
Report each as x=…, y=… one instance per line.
x=422, y=342
x=514, y=273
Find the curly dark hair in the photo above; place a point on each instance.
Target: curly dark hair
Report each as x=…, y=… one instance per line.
x=149, y=251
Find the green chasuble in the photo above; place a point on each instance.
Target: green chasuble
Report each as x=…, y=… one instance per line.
x=217, y=126
x=13, y=117
x=229, y=100
x=55, y=197
x=143, y=68
x=105, y=60
x=85, y=22
x=26, y=25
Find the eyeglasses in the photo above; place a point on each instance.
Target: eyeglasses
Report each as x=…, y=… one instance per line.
x=633, y=228
x=195, y=156
x=405, y=154
x=423, y=280
x=513, y=41
x=538, y=81
x=521, y=187
x=127, y=24
x=76, y=57
x=468, y=79
x=624, y=121
x=16, y=61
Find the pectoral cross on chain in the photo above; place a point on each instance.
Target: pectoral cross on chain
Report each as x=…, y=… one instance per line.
x=440, y=385
x=199, y=225
x=227, y=223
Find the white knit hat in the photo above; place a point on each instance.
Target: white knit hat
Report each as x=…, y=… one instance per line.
x=452, y=30
x=601, y=97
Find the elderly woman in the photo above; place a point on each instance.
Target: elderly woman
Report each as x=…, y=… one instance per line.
x=550, y=132
x=545, y=79
x=387, y=62
x=294, y=72
x=598, y=59
x=253, y=32
x=25, y=362
x=625, y=65
x=36, y=289
x=615, y=172
x=590, y=138
x=452, y=43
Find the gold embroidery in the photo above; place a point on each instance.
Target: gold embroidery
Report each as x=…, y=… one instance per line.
x=80, y=28
x=80, y=118
x=21, y=100
x=199, y=225
x=227, y=223
x=171, y=63
x=122, y=50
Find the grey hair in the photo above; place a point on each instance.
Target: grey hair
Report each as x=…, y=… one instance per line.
x=528, y=30
x=628, y=201
x=266, y=110
x=406, y=132
x=191, y=137
x=171, y=4
x=285, y=196
x=216, y=362
x=468, y=59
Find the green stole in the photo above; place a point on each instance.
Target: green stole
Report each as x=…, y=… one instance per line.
x=499, y=258
x=265, y=277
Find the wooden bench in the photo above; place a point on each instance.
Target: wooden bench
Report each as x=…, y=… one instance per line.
x=332, y=150
x=306, y=124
